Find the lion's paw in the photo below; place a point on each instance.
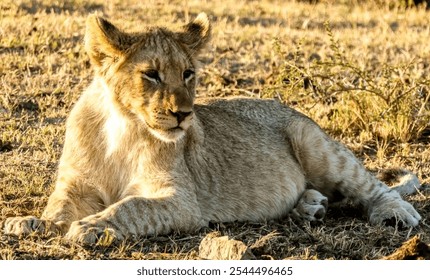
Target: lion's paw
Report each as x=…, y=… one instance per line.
x=392, y=209
x=312, y=206
x=22, y=226
x=88, y=233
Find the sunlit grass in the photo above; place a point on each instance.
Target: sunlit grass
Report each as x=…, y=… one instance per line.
x=358, y=68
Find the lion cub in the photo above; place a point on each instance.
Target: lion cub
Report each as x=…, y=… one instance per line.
x=143, y=157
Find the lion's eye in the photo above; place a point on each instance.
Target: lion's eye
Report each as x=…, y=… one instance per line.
x=188, y=74
x=152, y=75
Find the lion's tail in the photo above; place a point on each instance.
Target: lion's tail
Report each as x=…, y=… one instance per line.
x=401, y=180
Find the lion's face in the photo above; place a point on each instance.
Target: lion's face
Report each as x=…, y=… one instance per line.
x=157, y=85
x=151, y=75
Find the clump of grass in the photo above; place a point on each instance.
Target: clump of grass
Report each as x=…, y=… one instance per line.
x=387, y=102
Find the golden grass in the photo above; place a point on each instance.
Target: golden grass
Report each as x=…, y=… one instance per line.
x=359, y=68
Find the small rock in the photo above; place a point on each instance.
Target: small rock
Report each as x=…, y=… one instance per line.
x=413, y=249
x=216, y=247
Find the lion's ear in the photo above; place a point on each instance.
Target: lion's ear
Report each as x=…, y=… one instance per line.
x=103, y=40
x=196, y=34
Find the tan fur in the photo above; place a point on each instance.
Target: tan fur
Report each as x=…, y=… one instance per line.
x=143, y=157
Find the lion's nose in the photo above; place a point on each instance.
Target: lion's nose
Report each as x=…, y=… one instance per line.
x=180, y=116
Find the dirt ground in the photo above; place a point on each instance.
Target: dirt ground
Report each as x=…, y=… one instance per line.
x=359, y=68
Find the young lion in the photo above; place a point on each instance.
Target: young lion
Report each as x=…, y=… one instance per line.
x=141, y=157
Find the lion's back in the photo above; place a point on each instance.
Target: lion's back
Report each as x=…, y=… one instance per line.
x=235, y=110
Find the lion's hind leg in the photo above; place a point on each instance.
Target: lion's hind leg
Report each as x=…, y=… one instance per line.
x=334, y=171
x=312, y=206
x=402, y=181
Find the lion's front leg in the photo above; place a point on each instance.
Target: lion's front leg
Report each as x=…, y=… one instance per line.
x=22, y=226
x=137, y=216
x=69, y=202
x=60, y=212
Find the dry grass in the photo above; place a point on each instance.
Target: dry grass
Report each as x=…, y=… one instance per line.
x=359, y=69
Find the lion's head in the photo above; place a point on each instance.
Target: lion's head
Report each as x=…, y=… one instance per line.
x=150, y=76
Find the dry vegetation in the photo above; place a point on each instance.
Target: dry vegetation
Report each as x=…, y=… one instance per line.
x=359, y=68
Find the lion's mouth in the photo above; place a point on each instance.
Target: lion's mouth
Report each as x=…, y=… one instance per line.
x=177, y=128
x=159, y=128
x=171, y=134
